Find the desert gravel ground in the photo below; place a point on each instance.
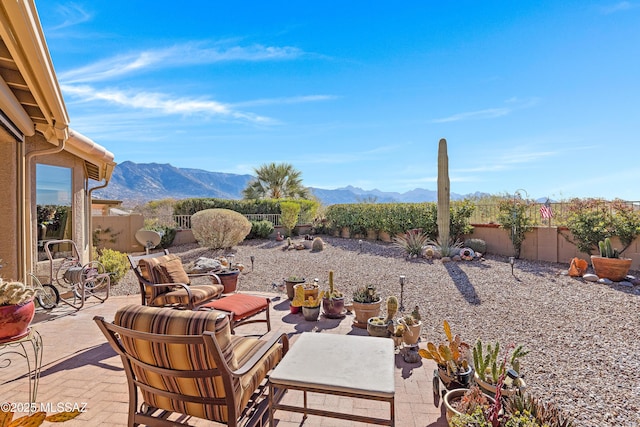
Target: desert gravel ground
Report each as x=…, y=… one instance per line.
x=583, y=337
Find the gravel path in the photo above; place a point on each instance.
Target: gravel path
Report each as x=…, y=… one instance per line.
x=583, y=337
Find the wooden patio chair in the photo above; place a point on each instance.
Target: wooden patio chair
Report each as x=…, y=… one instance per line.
x=164, y=282
x=188, y=362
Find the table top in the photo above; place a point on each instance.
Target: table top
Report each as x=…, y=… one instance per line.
x=347, y=363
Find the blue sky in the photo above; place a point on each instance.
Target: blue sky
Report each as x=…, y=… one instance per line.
x=541, y=96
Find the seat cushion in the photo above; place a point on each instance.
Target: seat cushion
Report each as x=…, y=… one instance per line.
x=244, y=349
x=241, y=305
x=179, y=295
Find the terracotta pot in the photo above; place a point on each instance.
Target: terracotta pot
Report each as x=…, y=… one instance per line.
x=614, y=269
x=333, y=307
x=364, y=311
x=345, y=233
x=15, y=320
x=311, y=313
x=412, y=335
x=294, y=309
x=376, y=330
x=384, y=236
x=290, y=284
x=490, y=389
x=229, y=280
x=372, y=234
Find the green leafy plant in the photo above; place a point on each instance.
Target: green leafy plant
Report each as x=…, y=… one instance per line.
x=290, y=212
x=451, y=355
x=115, y=263
x=478, y=245
x=513, y=217
x=260, y=229
x=167, y=234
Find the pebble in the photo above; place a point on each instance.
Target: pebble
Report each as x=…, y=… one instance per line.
x=590, y=277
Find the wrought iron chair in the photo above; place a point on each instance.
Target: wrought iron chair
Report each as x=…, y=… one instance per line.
x=188, y=362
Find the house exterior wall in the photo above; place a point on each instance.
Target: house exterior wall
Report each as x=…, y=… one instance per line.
x=9, y=226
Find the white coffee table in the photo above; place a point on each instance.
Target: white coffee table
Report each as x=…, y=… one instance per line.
x=342, y=365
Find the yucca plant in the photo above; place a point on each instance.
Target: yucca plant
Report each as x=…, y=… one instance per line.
x=411, y=242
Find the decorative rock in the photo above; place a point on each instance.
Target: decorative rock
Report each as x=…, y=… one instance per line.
x=446, y=259
x=589, y=277
x=564, y=273
x=203, y=264
x=478, y=255
x=626, y=284
x=456, y=258
x=605, y=281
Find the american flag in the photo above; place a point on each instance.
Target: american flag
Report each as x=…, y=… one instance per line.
x=545, y=210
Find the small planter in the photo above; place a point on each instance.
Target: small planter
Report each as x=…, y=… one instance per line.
x=15, y=320
x=451, y=382
x=384, y=236
x=333, y=308
x=345, y=233
x=376, y=330
x=490, y=389
x=311, y=313
x=229, y=280
x=372, y=234
x=294, y=309
x=412, y=335
x=364, y=311
x=290, y=284
x=614, y=269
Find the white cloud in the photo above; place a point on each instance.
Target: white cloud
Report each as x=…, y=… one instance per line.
x=174, y=56
x=490, y=113
x=284, y=100
x=72, y=14
x=618, y=7
x=162, y=103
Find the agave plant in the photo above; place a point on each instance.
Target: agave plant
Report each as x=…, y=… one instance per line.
x=411, y=242
x=446, y=250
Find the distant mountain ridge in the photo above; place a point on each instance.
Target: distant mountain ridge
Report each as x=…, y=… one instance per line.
x=138, y=183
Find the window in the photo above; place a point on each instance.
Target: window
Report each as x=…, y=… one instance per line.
x=53, y=203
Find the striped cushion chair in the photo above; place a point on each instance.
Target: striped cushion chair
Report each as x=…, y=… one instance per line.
x=164, y=282
x=188, y=362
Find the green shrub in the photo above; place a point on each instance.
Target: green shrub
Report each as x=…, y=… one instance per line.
x=290, y=212
x=260, y=229
x=478, y=245
x=219, y=228
x=114, y=262
x=167, y=234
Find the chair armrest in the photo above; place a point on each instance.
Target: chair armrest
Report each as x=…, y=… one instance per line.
x=208, y=274
x=210, y=341
x=272, y=342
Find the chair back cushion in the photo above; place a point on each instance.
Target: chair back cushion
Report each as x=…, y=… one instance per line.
x=162, y=269
x=181, y=359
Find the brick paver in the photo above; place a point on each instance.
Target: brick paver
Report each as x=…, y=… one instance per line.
x=79, y=368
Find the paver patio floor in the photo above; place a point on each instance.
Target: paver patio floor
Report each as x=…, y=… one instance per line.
x=80, y=368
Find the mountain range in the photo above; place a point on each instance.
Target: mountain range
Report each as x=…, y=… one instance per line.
x=138, y=183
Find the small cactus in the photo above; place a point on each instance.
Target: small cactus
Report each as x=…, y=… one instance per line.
x=392, y=308
x=15, y=293
x=317, y=245
x=606, y=249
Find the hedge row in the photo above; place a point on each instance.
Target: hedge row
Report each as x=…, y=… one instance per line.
x=308, y=208
x=396, y=218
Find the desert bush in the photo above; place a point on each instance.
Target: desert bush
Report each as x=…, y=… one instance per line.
x=114, y=262
x=260, y=229
x=219, y=228
x=290, y=211
x=167, y=234
x=478, y=245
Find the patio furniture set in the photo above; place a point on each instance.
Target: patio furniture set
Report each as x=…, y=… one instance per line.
x=190, y=361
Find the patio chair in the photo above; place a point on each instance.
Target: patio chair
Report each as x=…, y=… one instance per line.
x=164, y=282
x=188, y=362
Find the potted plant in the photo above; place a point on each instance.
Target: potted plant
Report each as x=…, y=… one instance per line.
x=333, y=300
x=413, y=326
x=290, y=282
x=311, y=308
x=609, y=265
x=451, y=357
x=381, y=326
x=16, y=310
x=488, y=369
x=229, y=279
x=465, y=405
x=366, y=304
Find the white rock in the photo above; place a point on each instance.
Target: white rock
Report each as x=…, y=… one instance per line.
x=605, y=281
x=590, y=277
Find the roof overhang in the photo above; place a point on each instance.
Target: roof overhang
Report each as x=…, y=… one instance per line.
x=99, y=162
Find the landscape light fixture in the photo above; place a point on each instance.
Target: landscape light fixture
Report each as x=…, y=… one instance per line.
x=230, y=258
x=512, y=261
x=360, y=244
x=252, y=258
x=402, y=292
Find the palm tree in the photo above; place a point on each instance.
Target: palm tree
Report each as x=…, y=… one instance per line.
x=276, y=181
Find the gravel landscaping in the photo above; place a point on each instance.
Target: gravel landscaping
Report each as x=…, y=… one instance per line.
x=582, y=336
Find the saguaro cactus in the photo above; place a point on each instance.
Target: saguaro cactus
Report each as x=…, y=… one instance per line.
x=443, y=193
